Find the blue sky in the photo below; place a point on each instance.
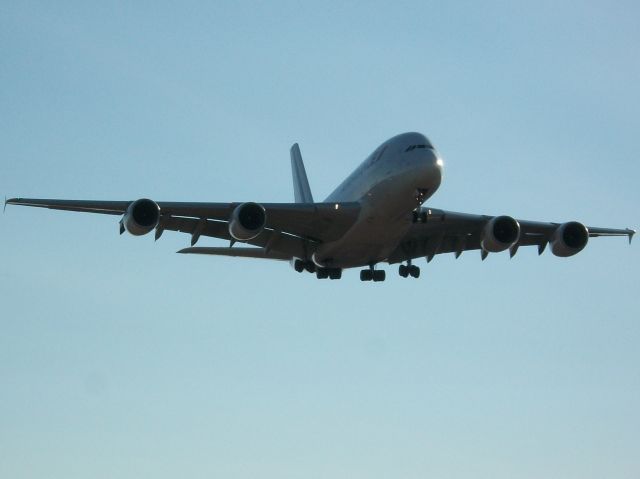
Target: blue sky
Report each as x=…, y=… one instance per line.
x=119, y=358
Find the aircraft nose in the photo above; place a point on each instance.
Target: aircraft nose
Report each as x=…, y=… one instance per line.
x=439, y=164
x=434, y=168
x=436, y=165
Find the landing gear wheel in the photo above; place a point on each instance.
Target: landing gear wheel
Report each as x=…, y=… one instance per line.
x=322, y=273
x=403, y=270
x=414, y=271
x=366, y=275
x=298, y=266
x=335, y=273
x=379, y=275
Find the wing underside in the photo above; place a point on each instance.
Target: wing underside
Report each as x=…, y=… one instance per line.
x=441, y=231
x=291, y=230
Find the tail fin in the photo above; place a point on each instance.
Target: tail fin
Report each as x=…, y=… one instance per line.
x=301, y=190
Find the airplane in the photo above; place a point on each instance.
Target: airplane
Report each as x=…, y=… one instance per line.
x=376, y=215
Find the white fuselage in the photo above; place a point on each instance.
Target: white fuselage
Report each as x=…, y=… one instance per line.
x=392, y=182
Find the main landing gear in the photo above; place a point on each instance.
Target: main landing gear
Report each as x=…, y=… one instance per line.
x=372, y=274
x=331, y=273
x=301, y=266
x=321, y=273
x=409, y=270
x=369, y=274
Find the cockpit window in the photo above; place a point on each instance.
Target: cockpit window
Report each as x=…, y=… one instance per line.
x=413, y=147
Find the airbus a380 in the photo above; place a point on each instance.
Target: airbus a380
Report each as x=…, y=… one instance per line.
x=374, y=216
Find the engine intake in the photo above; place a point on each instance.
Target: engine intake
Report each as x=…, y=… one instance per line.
x=247, y=221
x=569, y=239
x=141, y=217
x=500, y=233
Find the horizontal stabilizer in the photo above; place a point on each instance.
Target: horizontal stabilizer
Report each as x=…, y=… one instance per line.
x=236, y=252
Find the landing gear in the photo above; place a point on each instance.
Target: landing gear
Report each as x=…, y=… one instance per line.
x=419, y=216
x=409, y=270
x=331, y=273
x=301, y=266
x=372, y=274
x=421, y=194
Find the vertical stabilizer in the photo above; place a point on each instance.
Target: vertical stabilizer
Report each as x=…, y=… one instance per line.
x=301, y=190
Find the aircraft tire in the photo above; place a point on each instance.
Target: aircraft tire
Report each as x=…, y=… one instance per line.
x=322, y=273
x=414, y=271
x=379, y=275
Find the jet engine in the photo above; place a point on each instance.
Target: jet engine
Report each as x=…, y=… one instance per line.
x=569, y=239
x=500, y=233
x=141, y=217
x=247, y=221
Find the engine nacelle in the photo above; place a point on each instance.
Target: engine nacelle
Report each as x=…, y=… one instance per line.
x=500, y=233
x=569, y=239
x=141, y=217
x=247, y=221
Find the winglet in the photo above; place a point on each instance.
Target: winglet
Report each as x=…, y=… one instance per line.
x=10, y=201
x=630, y=232
x=301, y=190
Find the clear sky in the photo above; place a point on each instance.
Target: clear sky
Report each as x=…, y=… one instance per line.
x=120, y=358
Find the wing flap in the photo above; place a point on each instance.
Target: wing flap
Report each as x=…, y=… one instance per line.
x=270, y=240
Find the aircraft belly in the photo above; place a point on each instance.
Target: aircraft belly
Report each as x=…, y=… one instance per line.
x=371, y=240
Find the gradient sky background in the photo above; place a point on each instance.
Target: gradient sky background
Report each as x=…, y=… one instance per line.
x=120, y=358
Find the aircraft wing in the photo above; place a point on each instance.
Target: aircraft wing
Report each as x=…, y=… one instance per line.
x=439, y=231
x=291, y=228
